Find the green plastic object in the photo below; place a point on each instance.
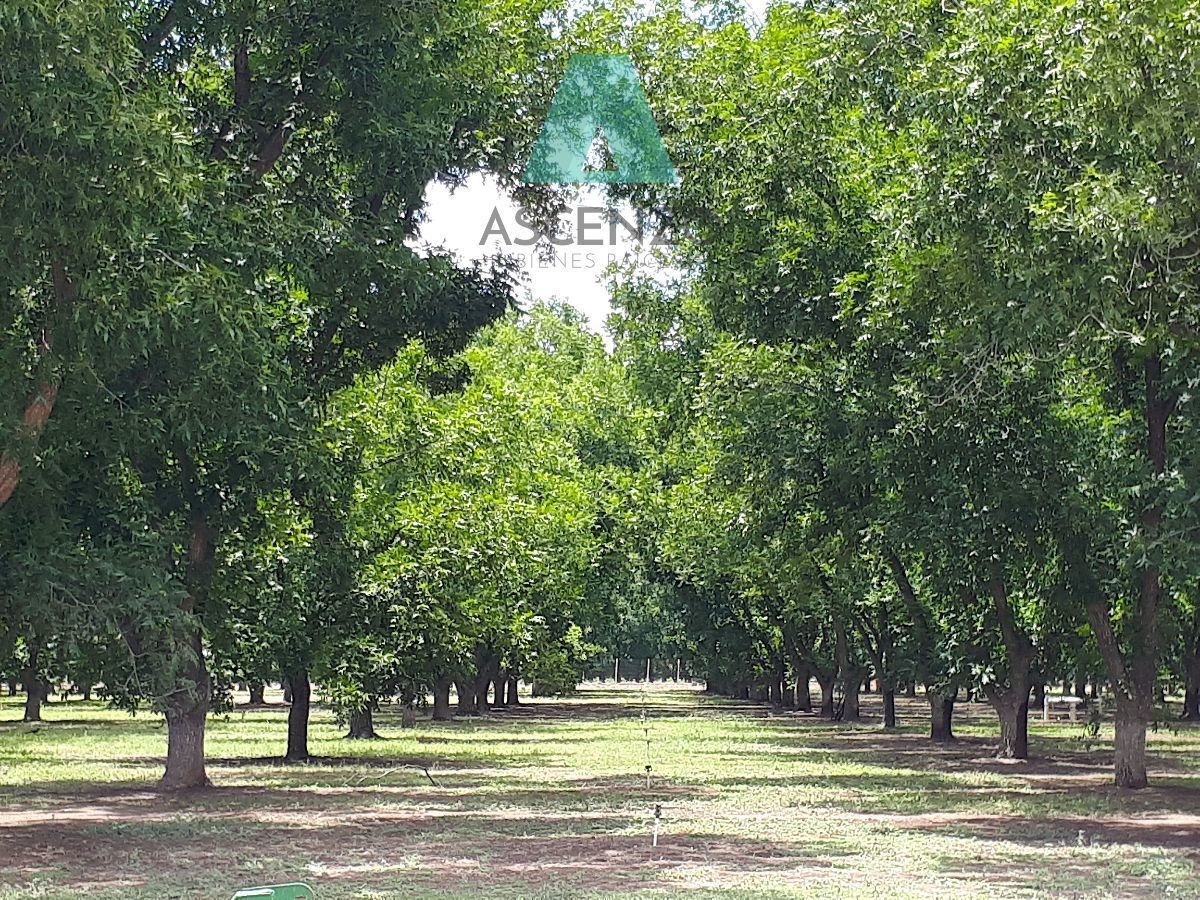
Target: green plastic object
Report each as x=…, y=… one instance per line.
x=295, y=891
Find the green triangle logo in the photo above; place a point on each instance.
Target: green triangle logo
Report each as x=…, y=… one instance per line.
x=599, y=112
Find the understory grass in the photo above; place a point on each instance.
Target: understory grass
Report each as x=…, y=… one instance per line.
x=551, y=800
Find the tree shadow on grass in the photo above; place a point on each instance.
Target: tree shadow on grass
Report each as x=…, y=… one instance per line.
x=490, y=850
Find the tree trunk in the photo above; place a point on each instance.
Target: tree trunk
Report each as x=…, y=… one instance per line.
x=1039, y=694
x=257, y=693
x=1191, y=671
x=483, y=684
x=186, y=715
x=286, y=687
x=362, y=725
x=297, y=745
x=441, y=700
x=487, y=664
x=185, y=749
x=1191, y=702
x=12, y=687
x=35, y=692
x=1129, y=746
x=941, y=717
x=889, y=707
x=803, y=692
x=826, y=681
x=1014, y=726
x=911, y=690
x=513, y=698
x=850, y=703
x=1133, y=678
x=775, y=693
x=466, y=697
x=500, y=685
x=848, y=674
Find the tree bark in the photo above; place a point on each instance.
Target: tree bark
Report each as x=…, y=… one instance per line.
x=257, y=693
x=1191, y=701
x=848, y=673
x=500, y=685
x=186, y=714
x=1133, y=677
x=826, y=681
x=31, y=680
x=513, y=698
x=185, y=749
x=1014, y=727
x=35, y=691
x=441, y=700
x=297, y=745
x=803, y=691
x=1011, y=702
x=941, y=717
x=466, y=697
x=889, y=707
x=775, y=693
x=362, y=725
x=286, y=687
x=1129, y=746
x=487, y=665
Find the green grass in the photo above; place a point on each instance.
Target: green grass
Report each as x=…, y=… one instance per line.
x=551, y=801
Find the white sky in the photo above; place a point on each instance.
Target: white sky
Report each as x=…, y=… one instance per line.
x=456, y=221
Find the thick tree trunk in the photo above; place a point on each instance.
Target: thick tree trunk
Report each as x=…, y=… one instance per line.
x=483, y=684
x=1011, y=703
x=826, y=682
x=35, y=693
x=286, y=687
x=513, y=698
x=1133, y=677
x=441, y=700
x=186, y=717
x=889, y=707
x=257, y=693
x=848, y=673
x=1014, y=726
x=362, y=725
x=803, y=691
x=185, y=749
x=941, y=717
x=775, y=693
x=297, y=745
x=500, y=685
x=487, y=664
x=1129, y=745
x=466, y=697
x=850, y=704
x=910, y=691
x=1191, y=702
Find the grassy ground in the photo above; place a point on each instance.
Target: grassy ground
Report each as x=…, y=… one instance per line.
x=551, y=800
